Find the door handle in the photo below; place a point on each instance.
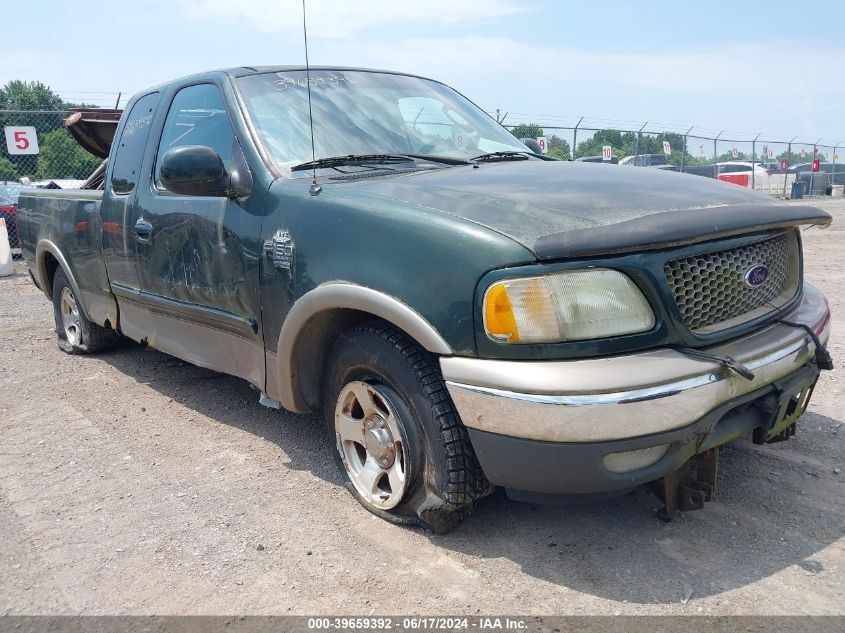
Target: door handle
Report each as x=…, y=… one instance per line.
x=143, y=232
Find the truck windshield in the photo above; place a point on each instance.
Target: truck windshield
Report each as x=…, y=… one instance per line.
x=363, y=112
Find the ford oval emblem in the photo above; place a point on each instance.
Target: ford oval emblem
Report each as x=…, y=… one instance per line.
x=756, y=276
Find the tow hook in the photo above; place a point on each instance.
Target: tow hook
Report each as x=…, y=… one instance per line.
x=689, y=487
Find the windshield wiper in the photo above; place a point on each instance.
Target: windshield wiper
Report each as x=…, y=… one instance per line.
x=446, y=160
x=508, y=155
x=353, y=159
x=381, y=159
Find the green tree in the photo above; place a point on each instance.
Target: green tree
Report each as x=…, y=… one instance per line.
x=36, y=104
x=593, y=146
x=29, y=95
x=7, y=170
x=527, y=130
x=61, y=157
x=559, y=148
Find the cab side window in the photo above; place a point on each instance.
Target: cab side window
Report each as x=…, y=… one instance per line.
x=133, y=140
x=197, y=116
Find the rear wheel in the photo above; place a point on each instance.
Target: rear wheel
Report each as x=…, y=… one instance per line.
x=399, y=442
x=76, y=334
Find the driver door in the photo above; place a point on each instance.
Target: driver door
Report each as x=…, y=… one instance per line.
x=196, y=255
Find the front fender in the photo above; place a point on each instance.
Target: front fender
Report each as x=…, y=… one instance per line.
x=343, y=301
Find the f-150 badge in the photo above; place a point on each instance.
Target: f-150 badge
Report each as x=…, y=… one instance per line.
x=279, y=249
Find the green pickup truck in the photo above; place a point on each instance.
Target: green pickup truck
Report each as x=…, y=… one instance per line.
x=465, y=313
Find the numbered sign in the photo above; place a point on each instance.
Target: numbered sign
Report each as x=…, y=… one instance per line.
x=667, y=149
x=803, y=153
x=734, y=152
x=21, y=139
x=770, y=153
x=606, y=152
x=544, y=144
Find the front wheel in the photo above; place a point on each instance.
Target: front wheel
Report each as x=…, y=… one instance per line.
x=399, y=443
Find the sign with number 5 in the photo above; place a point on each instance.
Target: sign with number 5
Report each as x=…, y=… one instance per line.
x=21, y=139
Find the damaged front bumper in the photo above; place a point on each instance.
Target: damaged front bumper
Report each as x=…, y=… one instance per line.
x=567, y=427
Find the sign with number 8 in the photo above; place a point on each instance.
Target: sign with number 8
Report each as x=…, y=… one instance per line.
x=21, y=139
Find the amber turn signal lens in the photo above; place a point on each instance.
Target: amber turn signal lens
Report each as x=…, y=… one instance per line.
x=499, y=320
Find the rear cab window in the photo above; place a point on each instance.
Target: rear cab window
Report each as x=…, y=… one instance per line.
x=133, y=140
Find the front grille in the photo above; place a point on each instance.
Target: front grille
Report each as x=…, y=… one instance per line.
x=710, y=288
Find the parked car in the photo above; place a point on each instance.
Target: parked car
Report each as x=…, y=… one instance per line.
x=644, y=160
x=740, y=172
x=9, y=192
x=800, y=167
x=834, y=172
x=614, y=160
x=462, y=313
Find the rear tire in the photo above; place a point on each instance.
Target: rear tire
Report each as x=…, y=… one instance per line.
x=76, y=334
x=399, y=443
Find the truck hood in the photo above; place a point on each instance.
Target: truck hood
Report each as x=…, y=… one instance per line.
x=571, y=209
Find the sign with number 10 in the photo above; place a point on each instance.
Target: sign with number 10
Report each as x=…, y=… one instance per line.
x=21, y=139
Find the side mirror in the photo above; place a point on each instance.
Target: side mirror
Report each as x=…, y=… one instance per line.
x=197, y=170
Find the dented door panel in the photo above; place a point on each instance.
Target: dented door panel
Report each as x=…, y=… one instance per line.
x=197, y=262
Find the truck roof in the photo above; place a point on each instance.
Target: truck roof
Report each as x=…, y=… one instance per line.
x=256, y=70
x=244, y=71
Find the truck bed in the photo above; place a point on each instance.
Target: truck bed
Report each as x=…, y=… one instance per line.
x=65, y=224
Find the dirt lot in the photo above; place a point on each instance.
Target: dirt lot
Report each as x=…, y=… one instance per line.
x=133, y=483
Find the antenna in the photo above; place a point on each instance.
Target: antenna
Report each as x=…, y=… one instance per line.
x=314, y=189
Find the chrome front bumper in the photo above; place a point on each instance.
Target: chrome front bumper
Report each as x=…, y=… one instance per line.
x=605, y=399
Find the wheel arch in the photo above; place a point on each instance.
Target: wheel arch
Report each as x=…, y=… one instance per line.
x=314, y=323
x=48, y=259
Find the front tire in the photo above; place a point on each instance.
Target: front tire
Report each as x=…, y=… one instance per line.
x=400, y=445
x=76, y=334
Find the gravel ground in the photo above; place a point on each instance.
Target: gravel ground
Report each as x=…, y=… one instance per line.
x=134, y=483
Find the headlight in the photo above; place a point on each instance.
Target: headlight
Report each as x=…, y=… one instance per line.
x=572, y=305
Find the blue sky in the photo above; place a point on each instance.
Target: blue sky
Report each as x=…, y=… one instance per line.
x=771, y=67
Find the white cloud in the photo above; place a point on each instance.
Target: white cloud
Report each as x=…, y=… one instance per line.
x=341, y=18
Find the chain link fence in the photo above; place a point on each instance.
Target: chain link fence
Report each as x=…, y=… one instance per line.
x=37, y=150
x=782, y=168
